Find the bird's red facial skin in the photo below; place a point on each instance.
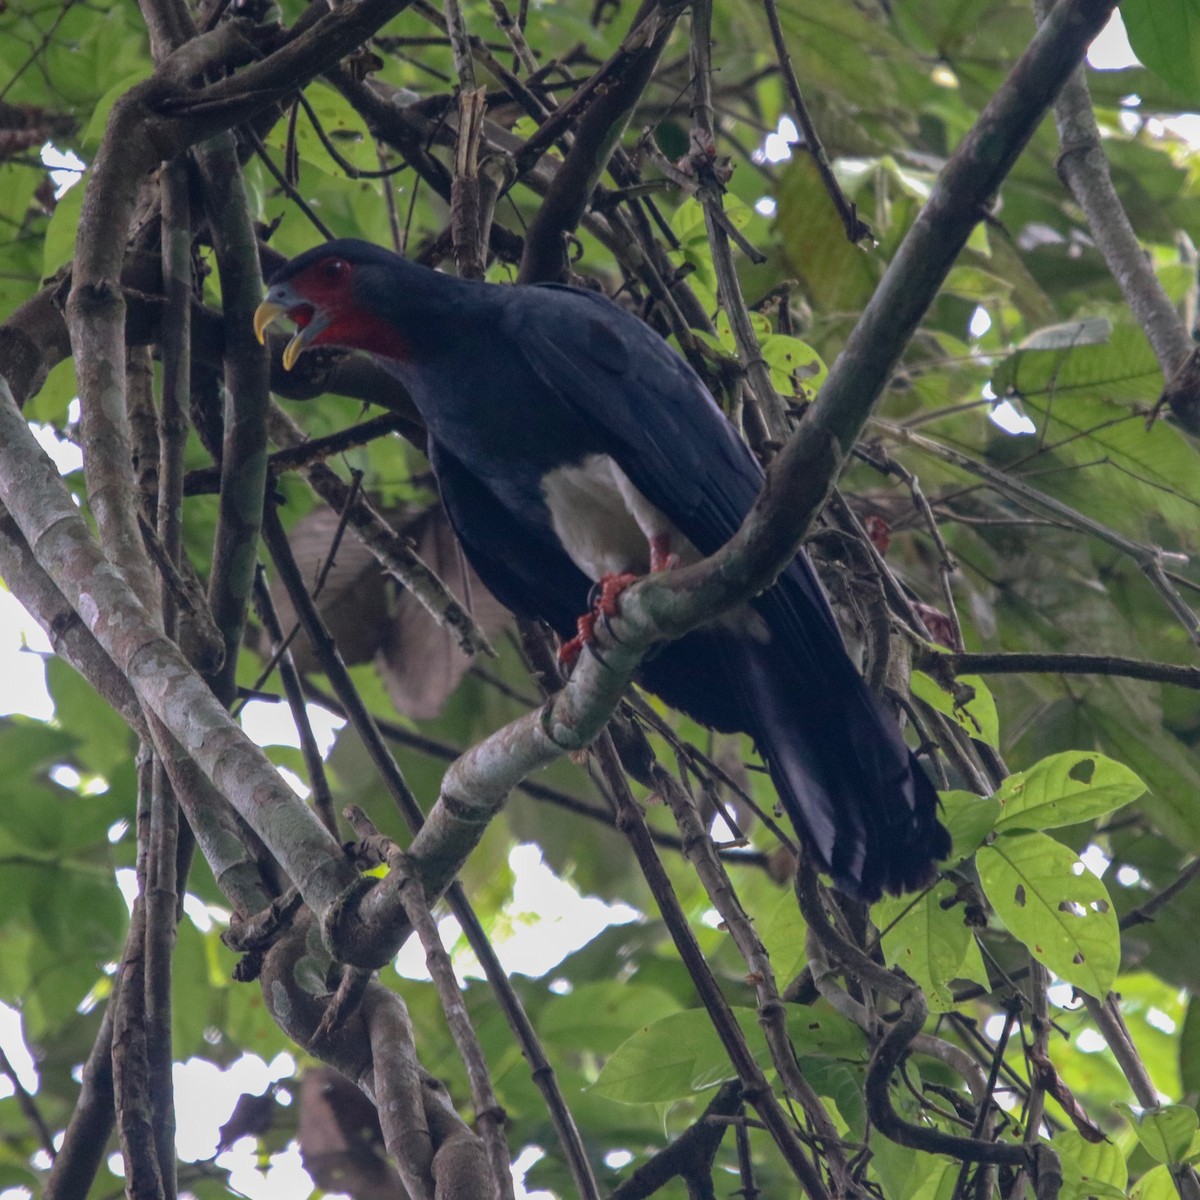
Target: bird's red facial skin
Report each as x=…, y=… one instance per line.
x=358, y=329
x=326, y=288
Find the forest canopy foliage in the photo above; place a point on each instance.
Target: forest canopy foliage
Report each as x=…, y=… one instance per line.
x=831, y=209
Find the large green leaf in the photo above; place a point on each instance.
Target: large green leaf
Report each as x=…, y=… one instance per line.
x=972, y=706
x=1189, y=1048
x=969, y=819
x=1156, y=1184
x=1090, y=1168
x=835, y=274
x=600, y=1016
x=1166, y=1133
x=672, y=1058
x=1065, y=789
x=680, y=1054
x=1067, y=361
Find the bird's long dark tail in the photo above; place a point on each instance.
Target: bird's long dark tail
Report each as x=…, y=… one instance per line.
x=846, y=779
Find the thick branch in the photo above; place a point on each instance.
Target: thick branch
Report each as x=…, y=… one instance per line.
x=162, y=679
x=247, y=382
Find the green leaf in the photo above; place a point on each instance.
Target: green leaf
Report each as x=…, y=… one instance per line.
x=841, y=1083
x=50, y=405
x=1090, y=1168
x=902, y=1170
x=1065, y=789
x=672, y=1058
x=1121, y=368
x=820, y=1030
x=1089, y=331
x=1189, y=1048
x=783, y=932
x=344, y=128
x=104, y=740
x=1156, y=1184
x=1053, y=904
x=1166, y=1133
x=973, y=706
x=938, y=1181
x=836, y=275
x=600, y=1016
x=94, y=131
x=59, y=246
x=969, y=819
x=925, y=940
x=794, y=364
x=680, y=1055
x=1165, y=35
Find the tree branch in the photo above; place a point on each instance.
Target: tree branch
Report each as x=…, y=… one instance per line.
x=1023, y=663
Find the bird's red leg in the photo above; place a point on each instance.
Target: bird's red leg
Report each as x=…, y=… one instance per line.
x=609, y=591
x=661, y=558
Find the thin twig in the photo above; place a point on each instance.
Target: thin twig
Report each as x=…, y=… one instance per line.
x=856, y=229
x=322, y=795
x=632, y=823
x=489, y=1115
x=710, y=191
x=1148, y=558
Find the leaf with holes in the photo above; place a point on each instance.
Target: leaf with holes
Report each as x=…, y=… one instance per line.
x=795, y=365
x=1052, y=903
x=1165, y=1133
x=1065, y=789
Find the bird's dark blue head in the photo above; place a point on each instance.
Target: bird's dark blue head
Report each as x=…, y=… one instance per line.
x=347, y=293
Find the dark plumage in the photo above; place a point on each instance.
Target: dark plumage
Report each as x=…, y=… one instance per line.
x=531, y=395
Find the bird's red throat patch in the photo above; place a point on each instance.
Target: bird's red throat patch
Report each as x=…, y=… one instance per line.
x=361, y=329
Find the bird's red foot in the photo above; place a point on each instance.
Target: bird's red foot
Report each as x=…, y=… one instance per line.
x=604, y=605
x=661, y=558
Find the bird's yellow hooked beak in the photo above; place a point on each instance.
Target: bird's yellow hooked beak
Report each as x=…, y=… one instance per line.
x=266, y=315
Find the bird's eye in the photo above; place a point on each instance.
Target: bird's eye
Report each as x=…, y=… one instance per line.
x=334, y=269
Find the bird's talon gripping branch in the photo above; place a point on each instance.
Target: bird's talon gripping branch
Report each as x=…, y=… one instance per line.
x=611, y=587
x=602, y=600
x=585, y=633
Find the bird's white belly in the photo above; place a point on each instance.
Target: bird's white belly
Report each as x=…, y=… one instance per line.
x=604, y=523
